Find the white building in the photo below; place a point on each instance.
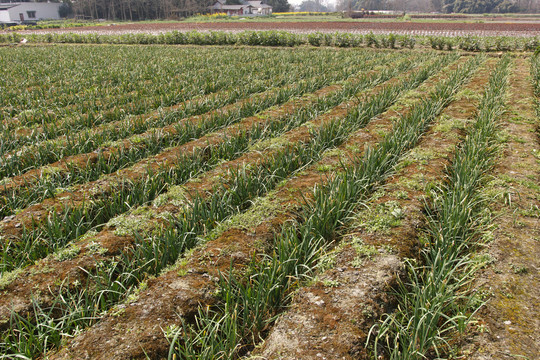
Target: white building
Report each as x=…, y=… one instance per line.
x=259, y=8
x=248, y=8
x=18, y=13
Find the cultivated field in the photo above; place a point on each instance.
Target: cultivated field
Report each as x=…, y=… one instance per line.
x=268, y=203
x=441, y=28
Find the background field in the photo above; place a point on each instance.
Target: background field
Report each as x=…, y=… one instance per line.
x=453, y=28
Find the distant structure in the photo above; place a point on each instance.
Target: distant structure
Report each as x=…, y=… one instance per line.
x=248, y=8
x=27, y=12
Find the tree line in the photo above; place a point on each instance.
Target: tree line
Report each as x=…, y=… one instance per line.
x=143, y=9
x=443, y=6
x=176, y=9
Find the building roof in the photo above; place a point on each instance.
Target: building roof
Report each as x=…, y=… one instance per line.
x=5, y=6
x=220, y=5
x=232, y=7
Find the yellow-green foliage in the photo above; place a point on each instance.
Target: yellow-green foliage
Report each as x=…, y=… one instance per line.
x=67, y=253
x=135, y=222
x=383, y=217
x=9, y=277
x=261, y=210
x=363, y=251
x=176, y=196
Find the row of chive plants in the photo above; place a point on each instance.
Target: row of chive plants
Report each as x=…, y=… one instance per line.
x=535, y=72
x=47, y=152
x=71, y=222
x=232, y=75
x=113, y=280
x=92, y=79
x=249, y=307
x=435, y=302
x=50, y=181
x=236, y=80
x=284, y=38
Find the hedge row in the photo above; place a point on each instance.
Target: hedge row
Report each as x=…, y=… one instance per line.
x=284, y=38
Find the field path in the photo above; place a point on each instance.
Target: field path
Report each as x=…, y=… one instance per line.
x=509, y=324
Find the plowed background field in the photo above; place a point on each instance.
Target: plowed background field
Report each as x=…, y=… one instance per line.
x=407, y=28
x=219, y=202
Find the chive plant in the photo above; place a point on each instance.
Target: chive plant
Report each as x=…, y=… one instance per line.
x=91, y=79
x=434, y=302
x=51, y=151
x=60, y=227
x=247, y=308
x=112, y=281
x=243, y=87
x=535, y=72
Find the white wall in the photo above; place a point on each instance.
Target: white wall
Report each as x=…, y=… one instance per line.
x=43, y=11
x=4, y=16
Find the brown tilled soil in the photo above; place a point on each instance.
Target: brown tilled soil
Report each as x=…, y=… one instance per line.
x=135, y=329
x=520, y=29
x=508, y=326
x=331, y=318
